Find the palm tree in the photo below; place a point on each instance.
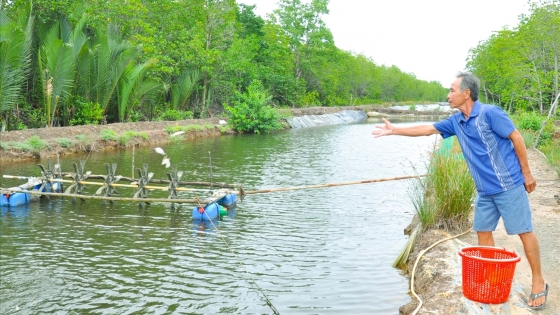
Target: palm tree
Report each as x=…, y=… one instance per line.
x=15, y=52
x=183, y=88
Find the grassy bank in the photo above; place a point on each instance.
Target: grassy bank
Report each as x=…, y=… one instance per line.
x=442, y=200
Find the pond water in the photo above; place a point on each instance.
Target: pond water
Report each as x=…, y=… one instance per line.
x=310, y=251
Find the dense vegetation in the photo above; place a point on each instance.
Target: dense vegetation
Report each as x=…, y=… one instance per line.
x=520, y=69
x=71, y=62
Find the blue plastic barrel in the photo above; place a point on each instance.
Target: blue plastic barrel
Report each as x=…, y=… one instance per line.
x=228, y=200
x=210, y=212
x=15, y=199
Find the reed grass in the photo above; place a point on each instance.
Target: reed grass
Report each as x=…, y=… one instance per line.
x=441, y=200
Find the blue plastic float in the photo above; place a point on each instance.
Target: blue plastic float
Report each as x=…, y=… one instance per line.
x=228, y=200
x=22, y=196
x=215, y=209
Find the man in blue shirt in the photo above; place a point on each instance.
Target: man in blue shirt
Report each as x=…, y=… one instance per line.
x=497, y=159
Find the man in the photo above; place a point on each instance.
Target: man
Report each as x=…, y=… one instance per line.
x=497, y=159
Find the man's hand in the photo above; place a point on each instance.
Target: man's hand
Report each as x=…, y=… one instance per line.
x=383, y=130
x=530, y=183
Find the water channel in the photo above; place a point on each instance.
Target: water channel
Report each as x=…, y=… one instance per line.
x=314, y=251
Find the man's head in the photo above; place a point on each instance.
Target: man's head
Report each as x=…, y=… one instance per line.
x=469, y=82
x=463, y=90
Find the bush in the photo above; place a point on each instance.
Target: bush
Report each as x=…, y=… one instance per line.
x=86, y=113
x=173, y=115
x=108, y=134
x=533, y=122
x=36, y=143
x=64, y=142
x=251, y=113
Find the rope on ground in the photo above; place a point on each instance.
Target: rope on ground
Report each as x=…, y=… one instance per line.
x=416, y=263
x=252, y=282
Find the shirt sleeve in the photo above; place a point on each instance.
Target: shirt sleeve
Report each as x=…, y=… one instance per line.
x=499, y=121
x=445, y=127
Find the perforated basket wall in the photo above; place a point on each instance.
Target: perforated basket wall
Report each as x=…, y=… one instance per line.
x=487, y=273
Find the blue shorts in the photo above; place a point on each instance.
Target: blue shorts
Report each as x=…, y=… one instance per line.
x=512, y=206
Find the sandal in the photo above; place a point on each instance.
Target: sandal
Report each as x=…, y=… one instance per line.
x=533, y=297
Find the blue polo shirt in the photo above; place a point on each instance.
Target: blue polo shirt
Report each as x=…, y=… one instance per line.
x=489, y=152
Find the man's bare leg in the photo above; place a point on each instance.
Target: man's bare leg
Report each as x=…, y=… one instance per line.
x=531, y=247
x=485, y=239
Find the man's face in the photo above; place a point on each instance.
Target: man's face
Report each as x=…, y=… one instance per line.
x=455, y=97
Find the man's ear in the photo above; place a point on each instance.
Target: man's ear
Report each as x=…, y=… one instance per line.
x=467, y=93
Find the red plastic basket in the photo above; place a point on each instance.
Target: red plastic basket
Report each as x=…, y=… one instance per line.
x=488, y=273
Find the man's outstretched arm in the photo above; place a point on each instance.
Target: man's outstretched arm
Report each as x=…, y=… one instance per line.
x=412, y=131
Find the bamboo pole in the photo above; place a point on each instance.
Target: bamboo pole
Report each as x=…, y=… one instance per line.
x=160, y=181
x=118, y=185
x=195, y=201
x=262, y=191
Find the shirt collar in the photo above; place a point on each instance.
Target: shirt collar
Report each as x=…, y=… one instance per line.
x=474, y=112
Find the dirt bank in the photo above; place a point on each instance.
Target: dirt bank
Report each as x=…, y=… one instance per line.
x=86, y=138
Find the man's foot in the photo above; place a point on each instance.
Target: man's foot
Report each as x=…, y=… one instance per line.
x=538, y=299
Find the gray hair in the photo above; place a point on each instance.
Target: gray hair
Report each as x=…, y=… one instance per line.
x=471, y=82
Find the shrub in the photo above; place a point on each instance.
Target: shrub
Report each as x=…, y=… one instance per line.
x=108, y=134
x=173, y=115
x=251, y=113
x=64, y=142
x=127, y=136
x=36, y=143
x=86, y=113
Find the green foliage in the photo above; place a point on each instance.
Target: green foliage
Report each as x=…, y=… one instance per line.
x=251, y=112
x=133, y=56
x=36, y=143
x=519, y=67
x=532, y=121
x=551, y=149
x=86, y=113
x=126, y=137
x=64, y=142
x=186, y=128
x=15, y=51
x=173, y=115
x=24, y=146
x=529, y=137
x=108, y=135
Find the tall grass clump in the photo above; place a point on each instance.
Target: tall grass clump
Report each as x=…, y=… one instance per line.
x=551, y=150
x=442, y=199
